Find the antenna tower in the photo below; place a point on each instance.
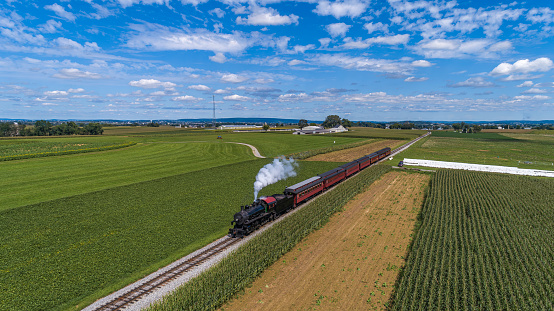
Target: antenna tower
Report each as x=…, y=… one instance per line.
x=213, y=100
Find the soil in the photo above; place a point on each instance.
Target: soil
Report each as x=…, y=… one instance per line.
x=352, y=154
x=353, y=261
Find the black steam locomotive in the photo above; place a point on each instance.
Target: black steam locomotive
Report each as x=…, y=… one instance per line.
x=266, y=209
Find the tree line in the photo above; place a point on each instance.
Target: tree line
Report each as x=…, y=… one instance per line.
x=45, y=128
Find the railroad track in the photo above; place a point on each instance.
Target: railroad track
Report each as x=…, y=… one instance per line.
x=405, y=146
x=145, y=288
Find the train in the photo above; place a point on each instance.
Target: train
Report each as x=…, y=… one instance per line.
x=269, y=208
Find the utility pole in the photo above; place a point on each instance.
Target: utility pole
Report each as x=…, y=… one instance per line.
x=213, y=100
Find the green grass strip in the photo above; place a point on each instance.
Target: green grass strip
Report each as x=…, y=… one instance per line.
x=64, y=152
x=217, y=285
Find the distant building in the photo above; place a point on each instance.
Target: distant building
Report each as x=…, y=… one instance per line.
x=338, y=129
x=309, y=130
x=239, y=127
x=312, y=128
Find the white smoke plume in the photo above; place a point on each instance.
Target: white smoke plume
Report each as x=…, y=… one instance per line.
x=271, y=173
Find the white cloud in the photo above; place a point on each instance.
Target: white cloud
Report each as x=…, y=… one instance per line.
x=293, y=97
x=236, y=97
x=337, y=29
x=527, y=97
x=534, y=91
x=372, y=27
x=126, y=3
x=74, y=73
x=161, y=38
x=218, y=12
x=264, y=81
x=421, y=63
x=60, y=11
x=222, y=91
x=233, y=78
x=415, y=79
x=262, y=16
x=68, y=44
x=457, y=48
x=51, y=26
x=526, y=84
x=541, y=15
x=78, y=90
x=199, y=87
x=186, y=98
x=386, y=40
x=474, y=82
x=324, y=42
x=303, y=48
x=523, y=66
x=101, y=11
x=362, y=63
x=56, y=93
x=295, y=62
x=151, y=84
x=338, y=9
x=218, y=58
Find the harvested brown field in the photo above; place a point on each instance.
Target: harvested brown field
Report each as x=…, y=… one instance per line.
x=353, y=261
x=351, y=154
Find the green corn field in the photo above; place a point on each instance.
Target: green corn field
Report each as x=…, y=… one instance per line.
x=485, y=243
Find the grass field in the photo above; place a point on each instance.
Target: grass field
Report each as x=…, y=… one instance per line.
x=507, y=149
x=485, y=243
x=14, y=147
x=368, y=132
x=24, y=182
x=57, y=253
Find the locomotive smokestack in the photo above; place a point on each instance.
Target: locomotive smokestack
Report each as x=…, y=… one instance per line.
x=271, y=173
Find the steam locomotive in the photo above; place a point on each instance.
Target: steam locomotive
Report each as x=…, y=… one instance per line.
x=266, y=209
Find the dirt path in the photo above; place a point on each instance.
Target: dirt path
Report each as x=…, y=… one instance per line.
x=254, y=149
x=351, y=263
x=351, y=154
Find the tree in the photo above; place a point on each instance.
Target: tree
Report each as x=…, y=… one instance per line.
x=7, y=129
x=302, y=123
x=331, y=121
x=265, y=127
x=93, y=129
x=346, y=123
x=476, y=128
x=313, y=124
x=42, y=128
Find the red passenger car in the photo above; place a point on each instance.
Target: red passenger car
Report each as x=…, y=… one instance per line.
x=305, y=189
x=364, y=162
x=332, y=177
x=351, y=168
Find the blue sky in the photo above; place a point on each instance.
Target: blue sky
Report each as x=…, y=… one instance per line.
x=363, y=60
